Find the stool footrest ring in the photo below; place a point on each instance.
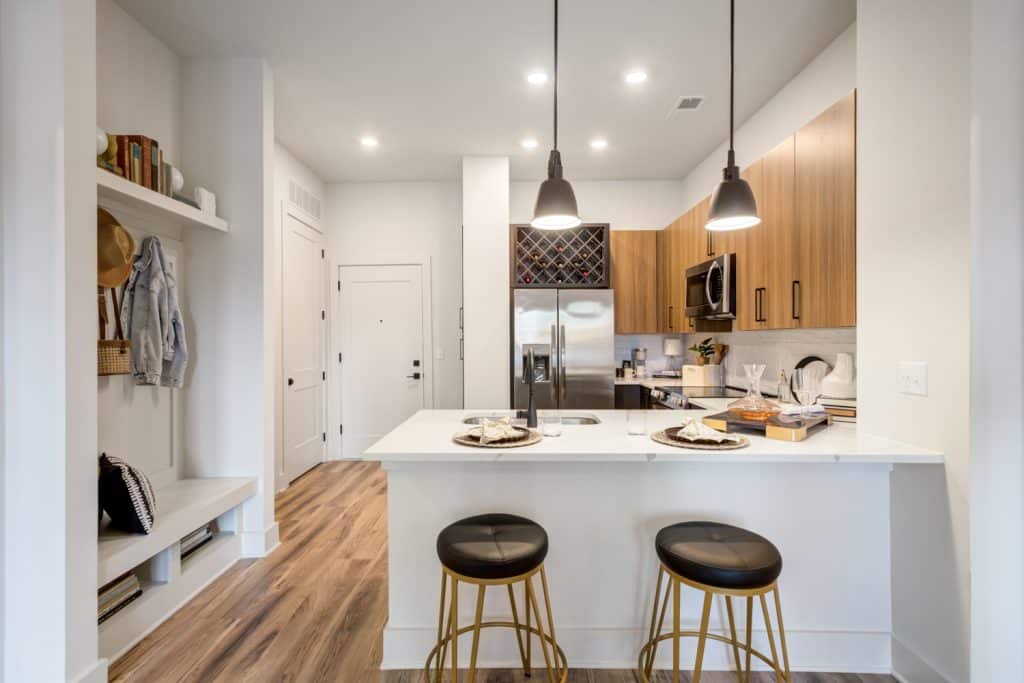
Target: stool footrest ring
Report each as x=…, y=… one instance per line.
x=559, y=653
x=711, y=636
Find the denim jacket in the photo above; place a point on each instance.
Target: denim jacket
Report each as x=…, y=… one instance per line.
x=150, y=316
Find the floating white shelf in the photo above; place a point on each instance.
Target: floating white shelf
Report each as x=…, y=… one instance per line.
x=139, y=198
x=182, y=507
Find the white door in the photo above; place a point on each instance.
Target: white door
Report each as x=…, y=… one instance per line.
x=303, y=338
x=382, y=345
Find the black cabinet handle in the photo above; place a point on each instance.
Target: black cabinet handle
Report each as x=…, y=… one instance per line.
x=670, y=317
x=758, y=305
x=291, y=381
x=796, y=299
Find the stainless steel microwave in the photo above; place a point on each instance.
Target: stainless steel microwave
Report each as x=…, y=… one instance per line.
x=711, y=288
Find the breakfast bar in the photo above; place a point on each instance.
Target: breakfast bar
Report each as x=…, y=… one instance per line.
x=602, y=494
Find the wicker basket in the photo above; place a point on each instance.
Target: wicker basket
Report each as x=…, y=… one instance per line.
x=114, y=355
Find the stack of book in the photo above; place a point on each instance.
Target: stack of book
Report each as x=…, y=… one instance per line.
x=116, y=595
x=841, y=409
x=141, y=161
x=197, y=539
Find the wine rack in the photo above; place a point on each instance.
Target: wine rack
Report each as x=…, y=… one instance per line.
x=578, y=258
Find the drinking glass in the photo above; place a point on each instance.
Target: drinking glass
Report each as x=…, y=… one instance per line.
x=806, y=388
x=636, y=422
x=550, y=423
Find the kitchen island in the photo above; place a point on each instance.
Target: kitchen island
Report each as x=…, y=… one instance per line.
x=603, y=494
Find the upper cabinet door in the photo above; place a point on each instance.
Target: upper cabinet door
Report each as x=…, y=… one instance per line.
x=663, y=274
x=751, y=246
x=635, y=280
x=825, y=161
x=780, y=242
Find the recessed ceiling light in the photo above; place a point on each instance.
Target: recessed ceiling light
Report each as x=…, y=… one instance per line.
x=369, y=141
x=537, y=78
x=636, y=77
x=598, y=143
x=529, y=143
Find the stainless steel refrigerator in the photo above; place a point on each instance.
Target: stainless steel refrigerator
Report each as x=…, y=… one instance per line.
x=571, y=333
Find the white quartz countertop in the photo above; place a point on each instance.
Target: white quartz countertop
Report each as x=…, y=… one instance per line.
x=427, y=437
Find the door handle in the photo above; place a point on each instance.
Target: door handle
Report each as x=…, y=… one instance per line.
x=795, y=296
x=670, y=317
x=553, y=361
x=291, y=381
x=414, y=375
x=561, y=361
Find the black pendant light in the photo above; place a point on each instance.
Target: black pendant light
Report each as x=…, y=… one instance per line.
x=732, y=205
x=556, y=202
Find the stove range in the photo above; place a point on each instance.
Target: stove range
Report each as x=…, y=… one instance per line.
x=677, y=397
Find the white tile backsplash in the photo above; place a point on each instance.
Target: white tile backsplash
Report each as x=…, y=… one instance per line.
x=656, y=360
x=778, y=349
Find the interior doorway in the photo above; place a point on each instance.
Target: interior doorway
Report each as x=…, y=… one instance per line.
x=385, y=346
x=304, y=337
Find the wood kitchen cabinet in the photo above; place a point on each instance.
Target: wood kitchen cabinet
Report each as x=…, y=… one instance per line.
x=825, y=291
x=634, y=256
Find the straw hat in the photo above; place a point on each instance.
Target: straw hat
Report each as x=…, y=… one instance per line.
x=115, y=249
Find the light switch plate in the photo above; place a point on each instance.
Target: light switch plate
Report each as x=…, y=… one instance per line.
x=913, y=378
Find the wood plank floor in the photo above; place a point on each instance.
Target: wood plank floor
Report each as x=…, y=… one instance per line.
x=314, y=609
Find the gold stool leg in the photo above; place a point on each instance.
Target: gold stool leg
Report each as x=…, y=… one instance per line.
x=527, y=592
x=675, y=630
x=732, y=632
x=649, y=662
x=750, y=642
x=551, y=620
x=519, y=636
x=782, y=635
x=702, y=639
x=453, y=620
x=771, y=638
x=439, y=652
x=540, y=629
x=476, y=631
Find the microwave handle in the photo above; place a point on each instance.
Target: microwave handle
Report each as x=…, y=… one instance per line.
x=707, y=283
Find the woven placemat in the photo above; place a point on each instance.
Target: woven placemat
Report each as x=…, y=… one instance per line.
x=663, y=437
x=532, y=437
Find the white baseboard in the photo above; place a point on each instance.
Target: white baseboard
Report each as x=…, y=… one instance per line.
x=260, y=543
x=97, y=673
x=908, y=666
x=617, y=648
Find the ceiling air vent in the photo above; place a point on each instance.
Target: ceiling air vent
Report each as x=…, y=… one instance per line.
x=686, y=103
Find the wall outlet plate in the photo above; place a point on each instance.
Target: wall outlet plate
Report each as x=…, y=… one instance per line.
x=913, y=378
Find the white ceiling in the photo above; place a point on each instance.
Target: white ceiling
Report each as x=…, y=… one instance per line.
x=438, y=80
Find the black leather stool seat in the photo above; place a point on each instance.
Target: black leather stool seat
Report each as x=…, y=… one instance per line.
x=719, y=555
x=492, y=546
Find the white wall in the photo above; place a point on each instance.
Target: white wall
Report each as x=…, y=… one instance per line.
x=997, y=367
x=392, y=222
x=913, y=303
x=137, y=89
x=485, y=268
x=287, y=168
x=625, y=204
x=829, y=77
x=47, y=111
x=228, y=108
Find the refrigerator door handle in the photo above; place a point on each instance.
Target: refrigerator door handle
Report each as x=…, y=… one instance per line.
x=561, y=363
x=554, y=361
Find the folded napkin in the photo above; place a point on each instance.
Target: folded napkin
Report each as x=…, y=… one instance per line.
x=493, y=431
x=794, y=410
x=695, y=430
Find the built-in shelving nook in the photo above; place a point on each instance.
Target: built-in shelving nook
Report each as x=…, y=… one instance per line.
x=206, y=447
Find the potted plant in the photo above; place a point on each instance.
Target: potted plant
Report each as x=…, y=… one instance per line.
x=704, y=351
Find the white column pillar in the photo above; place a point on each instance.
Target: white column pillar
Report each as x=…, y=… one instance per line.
x=228, y=133
x=49, y=425
x=485, y=285
x=997, y=323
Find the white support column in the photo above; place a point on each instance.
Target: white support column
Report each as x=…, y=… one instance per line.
x=485, y=268
x=228, y=134
x=997, y=336
x=47, y=150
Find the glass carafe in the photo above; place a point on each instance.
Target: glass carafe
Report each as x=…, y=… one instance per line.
x=754, y=406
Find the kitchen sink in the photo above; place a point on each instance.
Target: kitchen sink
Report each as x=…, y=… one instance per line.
x=567, y=418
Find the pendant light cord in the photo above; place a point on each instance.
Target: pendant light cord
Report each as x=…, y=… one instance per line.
x=556, y=76
x=732, y=65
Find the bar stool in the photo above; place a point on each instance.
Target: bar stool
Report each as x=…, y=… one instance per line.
x=717, y=559
x=493, y=550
